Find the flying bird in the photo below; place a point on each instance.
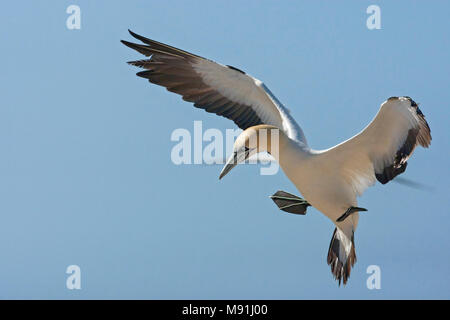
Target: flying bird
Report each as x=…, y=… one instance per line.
x=329, y=180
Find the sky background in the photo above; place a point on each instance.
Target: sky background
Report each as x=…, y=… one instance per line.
x=86, y=175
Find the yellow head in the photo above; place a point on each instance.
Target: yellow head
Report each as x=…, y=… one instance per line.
x=253, y=140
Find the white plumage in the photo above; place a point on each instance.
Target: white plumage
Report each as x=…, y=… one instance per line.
x=330, y=180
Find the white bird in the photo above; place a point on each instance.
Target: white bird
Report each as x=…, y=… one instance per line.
x=330, y=180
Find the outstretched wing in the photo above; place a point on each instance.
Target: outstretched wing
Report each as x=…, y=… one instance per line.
x=216, y=88
x=381, y=151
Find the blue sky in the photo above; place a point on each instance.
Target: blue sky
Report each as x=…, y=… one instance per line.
x=86, y=175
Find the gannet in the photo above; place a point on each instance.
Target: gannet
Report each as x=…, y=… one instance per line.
x=330, y=180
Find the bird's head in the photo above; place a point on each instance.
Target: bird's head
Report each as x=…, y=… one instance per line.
x=253, y=140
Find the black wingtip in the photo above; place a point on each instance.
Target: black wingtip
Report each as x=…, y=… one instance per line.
x=143, y=49
x=136, y=36
x=125, y=42
x=131, y=45
x=128, y=44
x=133, y=34
x=145, y=74
x=140, y=38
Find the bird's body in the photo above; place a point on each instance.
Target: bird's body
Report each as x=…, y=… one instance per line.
x=330, y=180
x=321, y=183
x=325, y=191
x=316, y=179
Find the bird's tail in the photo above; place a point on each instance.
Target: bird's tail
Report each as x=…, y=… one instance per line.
x=341, y=255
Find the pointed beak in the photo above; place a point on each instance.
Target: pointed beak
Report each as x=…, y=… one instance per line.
x=237, y=157
x=228, y=166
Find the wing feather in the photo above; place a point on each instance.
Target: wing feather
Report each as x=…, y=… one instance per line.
x=216, y=88
x=381, y=151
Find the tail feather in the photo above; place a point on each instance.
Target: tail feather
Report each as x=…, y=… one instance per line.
x=341, y=255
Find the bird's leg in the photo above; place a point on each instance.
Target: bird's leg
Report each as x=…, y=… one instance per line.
x=290, y=203
x=349, y=212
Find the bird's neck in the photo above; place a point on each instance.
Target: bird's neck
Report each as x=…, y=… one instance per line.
x=289, y=152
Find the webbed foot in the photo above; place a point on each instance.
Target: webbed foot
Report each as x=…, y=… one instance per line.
x=349, y=212
x=290, y=203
